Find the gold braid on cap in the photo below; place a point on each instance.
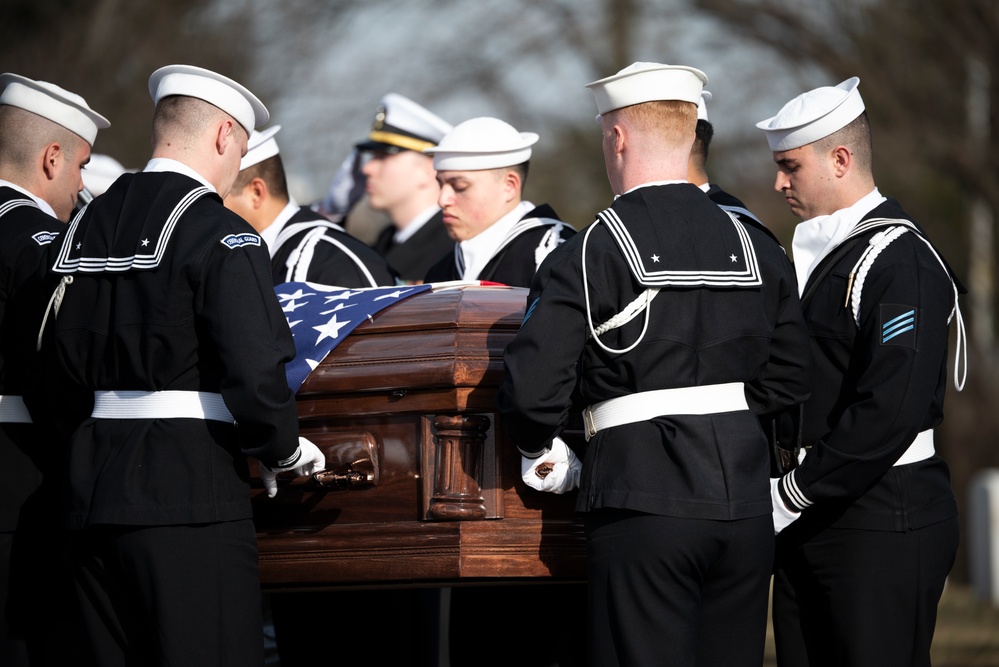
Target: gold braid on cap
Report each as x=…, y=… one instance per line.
x=400, y=140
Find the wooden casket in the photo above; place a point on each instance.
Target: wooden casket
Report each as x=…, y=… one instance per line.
x=422, y=484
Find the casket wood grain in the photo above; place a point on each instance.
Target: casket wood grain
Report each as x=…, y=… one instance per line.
x=424, y=484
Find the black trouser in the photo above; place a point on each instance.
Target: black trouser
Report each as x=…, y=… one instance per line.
x=171, y=596
x=40, y=622
x=853, y=598
x=679, y=592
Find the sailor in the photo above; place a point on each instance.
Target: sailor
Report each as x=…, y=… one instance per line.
x=304, y=246
x=482, y=166
x=401, y=182
x=166, y=316
x=99, y=174
x=46, y=135
x=678, y=328
x=868, y=520
x=697, y=172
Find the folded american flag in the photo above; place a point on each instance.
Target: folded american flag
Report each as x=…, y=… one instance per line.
x=321, y=316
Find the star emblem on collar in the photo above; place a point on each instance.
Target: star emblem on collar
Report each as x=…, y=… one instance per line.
x=145, y=242
x=733, y=258
x=655, y=258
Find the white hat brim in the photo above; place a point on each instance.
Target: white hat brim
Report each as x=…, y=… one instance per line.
x=52, y=102
x=212, y=87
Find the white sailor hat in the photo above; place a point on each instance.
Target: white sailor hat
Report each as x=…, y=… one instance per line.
x=702, y=106
x=402, y=124
x=813, y=115
x=52, y=102
x=100, y=173
x=482, y=143
x=221, y=91
x=648, y=82
x=261, y=146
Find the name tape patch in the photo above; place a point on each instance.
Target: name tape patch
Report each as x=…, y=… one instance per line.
x=239, y=240
x=45, y=238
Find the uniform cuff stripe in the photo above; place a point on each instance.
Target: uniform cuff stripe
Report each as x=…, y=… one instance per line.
x=793, y=492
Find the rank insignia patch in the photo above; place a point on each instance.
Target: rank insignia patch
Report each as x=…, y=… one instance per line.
x=898, y=325
x=529, y=311
x=239, y=240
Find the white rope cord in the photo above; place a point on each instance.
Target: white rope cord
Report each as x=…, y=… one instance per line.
x=643, y=302
x=878, y=243
x=550, y=241
x=301, y=258
x=55, y=301
x=630, y=311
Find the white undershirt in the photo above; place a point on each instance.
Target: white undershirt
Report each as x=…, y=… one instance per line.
x=478, y=250
x=273, y=230
x=42, y=204
x=817, y=237
x=169, y=164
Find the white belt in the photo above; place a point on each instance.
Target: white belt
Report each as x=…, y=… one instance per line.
x=13, y=411
x=160, y=405
x=704, y=400
x=920, y=449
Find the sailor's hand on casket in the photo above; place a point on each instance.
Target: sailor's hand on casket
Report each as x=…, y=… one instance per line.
x=310, y=461
x=557, y=471
x=783, y=516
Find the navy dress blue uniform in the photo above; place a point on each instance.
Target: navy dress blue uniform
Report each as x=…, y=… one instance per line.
x=165, y=289
x=311, y=248
x=677, y=509
x=514, y=261
x=880, y=381
x=39, y=616
x=732, y=204
x=412, y=258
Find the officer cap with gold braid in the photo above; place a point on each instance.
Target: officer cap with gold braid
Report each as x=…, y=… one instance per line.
x=402, y=124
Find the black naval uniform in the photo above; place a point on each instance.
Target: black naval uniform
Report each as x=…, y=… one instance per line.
x=171, y=291
x=311, y=248
x=412, y=258
x=859, y=574
x=39, y=617
x=514, y=260
x=677, y=508
x=732, y=204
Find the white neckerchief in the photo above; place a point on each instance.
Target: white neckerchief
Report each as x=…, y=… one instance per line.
x=42, y=204
x=478, y=250
x=169, y=164
x=817, y=237
x=273, y=230
x=402, y=235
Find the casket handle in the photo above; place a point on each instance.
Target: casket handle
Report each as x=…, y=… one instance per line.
x=353, y=475
x=352, y=460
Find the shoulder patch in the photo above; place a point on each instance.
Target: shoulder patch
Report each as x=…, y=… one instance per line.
x=239, y=240
x=45, y=238
x=898, y=325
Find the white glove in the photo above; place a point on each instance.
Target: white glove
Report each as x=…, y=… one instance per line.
x=310, y=461
x=565, y=469
x=783, y=517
